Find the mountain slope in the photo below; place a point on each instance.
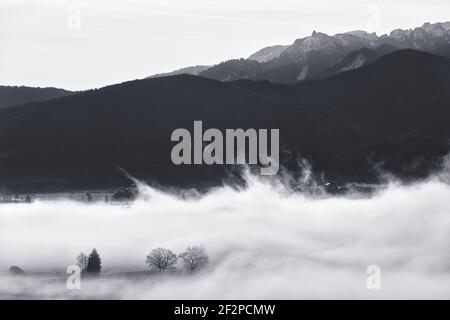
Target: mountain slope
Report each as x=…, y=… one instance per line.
x=82, y=140
x=234, y=70
x=358, y=58
x=318, y=55
x=443, y=51
x=402, y=102
x=10, y=96
x=194, y=70
x=268, y=53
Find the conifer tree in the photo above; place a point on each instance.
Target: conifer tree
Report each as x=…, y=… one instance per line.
x=94, y=264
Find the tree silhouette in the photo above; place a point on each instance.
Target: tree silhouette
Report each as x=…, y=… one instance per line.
x=194, y=258
x=161, y=259
x=94, y=264
x=82, y=261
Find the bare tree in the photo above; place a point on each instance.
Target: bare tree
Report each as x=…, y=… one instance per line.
x=161, y=259
x=82, y=261
x=194, y=258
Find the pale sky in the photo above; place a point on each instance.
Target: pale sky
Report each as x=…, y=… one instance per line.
x=91, y=43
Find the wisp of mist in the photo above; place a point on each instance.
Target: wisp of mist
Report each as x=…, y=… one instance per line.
x=264, y=242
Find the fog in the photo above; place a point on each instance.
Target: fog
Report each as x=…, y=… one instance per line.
x=264, y=242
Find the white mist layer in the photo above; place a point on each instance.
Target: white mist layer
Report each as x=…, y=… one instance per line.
x=263, y=242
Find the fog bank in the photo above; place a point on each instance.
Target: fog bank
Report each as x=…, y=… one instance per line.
x=264, y=242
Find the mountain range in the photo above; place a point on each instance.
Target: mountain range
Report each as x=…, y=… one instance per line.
x=321, y=55
x=391, y=114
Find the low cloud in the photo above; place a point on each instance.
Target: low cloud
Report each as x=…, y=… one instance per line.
x=264, y=242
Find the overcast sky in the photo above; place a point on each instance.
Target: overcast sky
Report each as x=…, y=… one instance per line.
x=92, y=43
